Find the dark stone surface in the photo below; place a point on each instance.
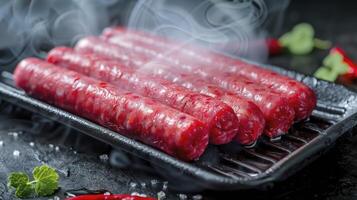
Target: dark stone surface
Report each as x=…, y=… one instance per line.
x=81, y=162
x=333, y=176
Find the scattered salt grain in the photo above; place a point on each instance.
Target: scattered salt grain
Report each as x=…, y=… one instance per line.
x=143, y=185
x=104, y=157
x=154, y=182
x=1, y=143
x=165, y=185
x=14, y=134
x=182, y=196
x=57, y=148
x=32, y=144
x=51, y=146
x=16, y=153
x=133, y=185
x=161, y=195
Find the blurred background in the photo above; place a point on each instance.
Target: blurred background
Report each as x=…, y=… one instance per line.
x=237, y=27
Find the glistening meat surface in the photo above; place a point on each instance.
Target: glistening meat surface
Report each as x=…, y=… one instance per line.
x=220, y=119
x=250, y=119
x=298, y=95
x=173, y=132
x=278, y=113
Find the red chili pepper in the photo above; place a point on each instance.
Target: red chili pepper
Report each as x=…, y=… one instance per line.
x=274, y=46
x=110, y=197
x=352, y=67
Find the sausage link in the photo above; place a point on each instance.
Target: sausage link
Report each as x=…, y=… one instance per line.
x=218, y=116
x=278, y=113
x=299, y=95
x=138, y=117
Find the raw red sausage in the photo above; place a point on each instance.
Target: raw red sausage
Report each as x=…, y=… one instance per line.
x=138, y=117
x=106, y=50
x=299, y=95
x=279, y=115
x=219, y=117
x=250, y=119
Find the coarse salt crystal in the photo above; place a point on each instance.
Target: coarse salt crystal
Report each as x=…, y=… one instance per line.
x=16, y=153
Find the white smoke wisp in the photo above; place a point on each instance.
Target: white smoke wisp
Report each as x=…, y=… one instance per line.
x=29, y=27
x=234, y=27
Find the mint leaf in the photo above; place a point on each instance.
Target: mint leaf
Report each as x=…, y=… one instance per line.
x=24, y=191
x=20, y=181
x=46, y=180
x=16, y=179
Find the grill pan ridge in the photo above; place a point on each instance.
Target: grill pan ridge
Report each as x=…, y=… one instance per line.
x=235, y=167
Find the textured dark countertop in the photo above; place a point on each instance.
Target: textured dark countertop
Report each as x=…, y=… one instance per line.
x=333, y=176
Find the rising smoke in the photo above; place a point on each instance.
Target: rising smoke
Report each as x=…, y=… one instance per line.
x=236, y=27
x=29, y=28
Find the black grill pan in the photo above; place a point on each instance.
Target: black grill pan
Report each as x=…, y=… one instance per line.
x=230, y=166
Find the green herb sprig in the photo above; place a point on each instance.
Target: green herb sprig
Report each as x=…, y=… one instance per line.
x=44, y=183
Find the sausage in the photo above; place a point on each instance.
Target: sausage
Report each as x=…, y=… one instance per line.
x=218, y=116
x=279, y=115
x=251, y=118
x=251, y=121
x=141, y=118
x=299, y=95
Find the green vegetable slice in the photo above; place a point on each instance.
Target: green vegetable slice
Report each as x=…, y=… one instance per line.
x=301, y=46
x=300, y=40
x=303, y=30
x=335, y=62
x=322, y=44
x=325, y=73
